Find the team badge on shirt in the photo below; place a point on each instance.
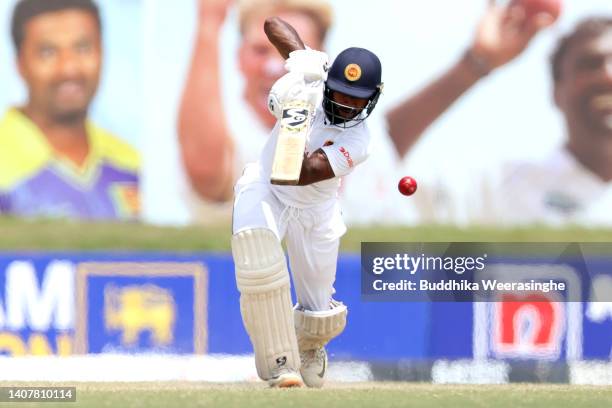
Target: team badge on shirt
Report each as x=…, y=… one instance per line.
x=126, y=199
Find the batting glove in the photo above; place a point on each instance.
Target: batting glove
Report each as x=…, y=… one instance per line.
x=312, y=64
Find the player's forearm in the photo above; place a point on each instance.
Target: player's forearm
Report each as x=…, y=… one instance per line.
x=315, y=168
x=407, y=121
x=284, y=37
x=206, y=146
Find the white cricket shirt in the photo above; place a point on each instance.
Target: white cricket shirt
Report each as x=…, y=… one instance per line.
x=345, y=149
x=556, y=191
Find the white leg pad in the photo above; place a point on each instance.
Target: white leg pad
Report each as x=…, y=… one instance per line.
x=315, y=329
x=265, y=301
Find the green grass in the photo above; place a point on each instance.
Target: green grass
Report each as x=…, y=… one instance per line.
x=60, y=235
x=169, y=395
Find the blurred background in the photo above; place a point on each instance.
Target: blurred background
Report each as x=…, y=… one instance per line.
x=149, y=52
x=176, y=113
x=509, y=115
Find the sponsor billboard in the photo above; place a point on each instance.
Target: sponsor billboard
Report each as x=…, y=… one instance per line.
x=62, y=304
x=67, y=303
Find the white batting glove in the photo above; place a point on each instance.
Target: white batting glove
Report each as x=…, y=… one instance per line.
x=288, y=87
x=312, y=92
x=292, y=86
x=312, y=64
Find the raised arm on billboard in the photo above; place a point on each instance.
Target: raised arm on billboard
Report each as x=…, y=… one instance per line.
x=502, y=34
x=206, y=145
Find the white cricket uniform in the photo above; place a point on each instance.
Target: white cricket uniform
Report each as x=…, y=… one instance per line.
x=556, y=191
x=308, y=217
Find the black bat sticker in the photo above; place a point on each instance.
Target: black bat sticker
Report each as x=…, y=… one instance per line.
x=294, y=117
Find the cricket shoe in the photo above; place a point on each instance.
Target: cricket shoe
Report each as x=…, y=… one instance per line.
x=314, y=366
x=286, y=379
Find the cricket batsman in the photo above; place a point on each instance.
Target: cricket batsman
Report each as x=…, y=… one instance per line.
x=289, y=342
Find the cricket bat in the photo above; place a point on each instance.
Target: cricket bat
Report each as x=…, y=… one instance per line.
x=296, y=119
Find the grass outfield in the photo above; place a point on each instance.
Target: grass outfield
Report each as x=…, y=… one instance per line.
x=58, y=235
x=169, y=395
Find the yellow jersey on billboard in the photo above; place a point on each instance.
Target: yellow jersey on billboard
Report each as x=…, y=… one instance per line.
x=36, y=182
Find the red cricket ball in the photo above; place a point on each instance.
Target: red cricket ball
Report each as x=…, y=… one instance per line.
x=533, y=7
x=407, y=186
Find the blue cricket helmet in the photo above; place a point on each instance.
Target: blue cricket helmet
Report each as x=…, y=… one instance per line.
x=355, y=72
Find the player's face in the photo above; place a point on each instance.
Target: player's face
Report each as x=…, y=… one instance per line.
x=584, y=92
x=261, y=64
x=350, y=106
x=60, y=61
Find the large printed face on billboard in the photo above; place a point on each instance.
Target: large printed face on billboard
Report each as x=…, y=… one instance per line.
x=584, y=88
x=261, y=64
x=59, y=155
x=60, y=60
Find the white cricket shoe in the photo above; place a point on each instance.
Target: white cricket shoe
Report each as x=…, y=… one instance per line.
x=286, y=378
x=314, y=366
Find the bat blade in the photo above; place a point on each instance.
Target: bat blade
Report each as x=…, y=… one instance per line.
x=289, y=153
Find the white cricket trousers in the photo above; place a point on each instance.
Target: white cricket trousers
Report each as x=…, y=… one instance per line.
x=312, y=235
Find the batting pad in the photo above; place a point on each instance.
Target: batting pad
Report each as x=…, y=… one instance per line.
x=315, y=329
x=265, y=300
